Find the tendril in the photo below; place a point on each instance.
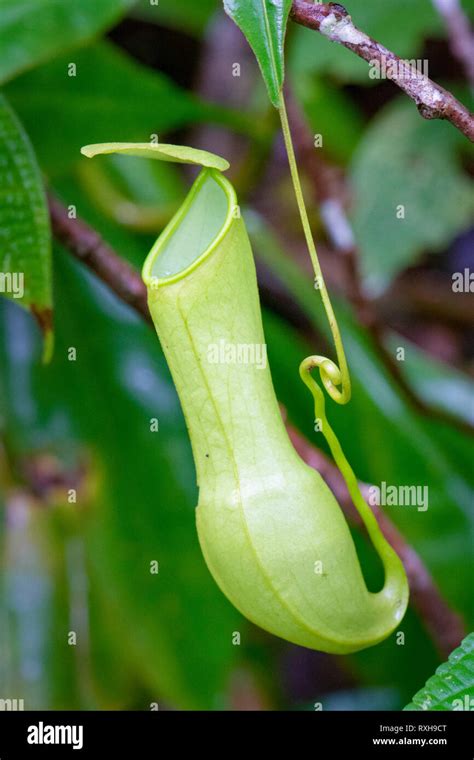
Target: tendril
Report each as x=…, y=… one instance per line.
x=335, y=378
x=330, y=376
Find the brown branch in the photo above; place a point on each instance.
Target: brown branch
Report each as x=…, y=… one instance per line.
x=433, y=101
x=443, y=624
x=87, y=246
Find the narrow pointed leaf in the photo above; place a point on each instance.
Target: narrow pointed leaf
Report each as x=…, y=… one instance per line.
x=263, y=23
x=25, y=240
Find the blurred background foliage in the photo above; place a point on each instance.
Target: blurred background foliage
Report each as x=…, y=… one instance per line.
x=78, y=71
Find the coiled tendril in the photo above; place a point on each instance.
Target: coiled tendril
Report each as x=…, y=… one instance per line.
x=334, y=377
x=331, y=377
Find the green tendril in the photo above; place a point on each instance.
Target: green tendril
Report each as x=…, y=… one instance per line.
x=394, y=573
x=327, y=368
x=335, y=379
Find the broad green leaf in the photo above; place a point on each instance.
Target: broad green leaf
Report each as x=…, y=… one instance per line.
x=33, y=31
x=25, y=244
x=180, y=154
x=110, y=95
x=410, y=195
x=263, y=23
x=452, y=686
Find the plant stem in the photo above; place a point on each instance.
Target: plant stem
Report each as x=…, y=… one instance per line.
x=336, y=375
x=332, y=376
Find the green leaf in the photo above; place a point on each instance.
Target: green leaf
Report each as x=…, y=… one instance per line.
x=452, y=686
x=263, y=23
x=33, y=31
x=25, y=241
x=110, y=94
x=409, y=192
x=180, y=154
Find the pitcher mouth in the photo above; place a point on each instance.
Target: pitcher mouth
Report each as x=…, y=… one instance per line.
x=194, y=232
